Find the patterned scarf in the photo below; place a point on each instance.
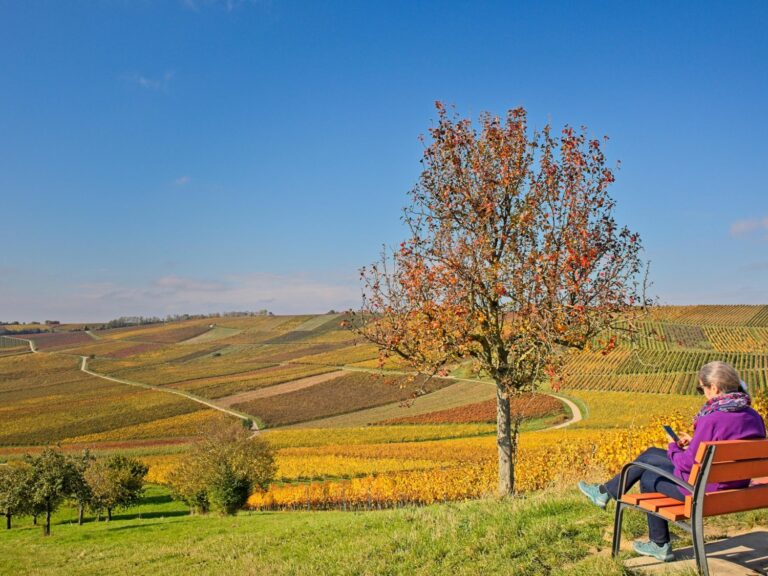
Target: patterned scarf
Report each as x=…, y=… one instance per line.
x=732, y=402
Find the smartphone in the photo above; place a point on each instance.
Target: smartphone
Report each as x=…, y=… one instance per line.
x=671, y=434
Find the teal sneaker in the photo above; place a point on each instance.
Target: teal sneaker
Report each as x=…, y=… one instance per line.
x=592, y=491
x=662, y=553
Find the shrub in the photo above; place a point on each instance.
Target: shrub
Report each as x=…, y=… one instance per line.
x=225, y=466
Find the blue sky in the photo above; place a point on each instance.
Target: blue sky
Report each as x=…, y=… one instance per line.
x=175, y=156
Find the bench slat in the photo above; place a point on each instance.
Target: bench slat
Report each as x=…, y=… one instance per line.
x=635, y=499
x=658, y=503
x=731, y=450
x=741, y=470
x=727, y=501
x=674, y=513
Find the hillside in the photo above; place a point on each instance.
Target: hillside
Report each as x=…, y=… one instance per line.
x=345, y=435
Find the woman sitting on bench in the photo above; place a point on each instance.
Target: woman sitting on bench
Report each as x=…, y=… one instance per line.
x=727, y=415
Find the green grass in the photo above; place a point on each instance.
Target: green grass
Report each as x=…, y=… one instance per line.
x=553, y=532
x=543, y=534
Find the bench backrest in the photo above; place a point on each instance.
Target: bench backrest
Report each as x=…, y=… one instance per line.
x=732, y=460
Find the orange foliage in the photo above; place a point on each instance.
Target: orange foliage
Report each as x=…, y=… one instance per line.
x=468, y=467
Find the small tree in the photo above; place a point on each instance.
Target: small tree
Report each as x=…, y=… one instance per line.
x=228, y=490
x=513, y=257
x=48, y=483
x=223, y=468
x=116, y=482
x=14, y=492
x=188, y=483
x=77, y=485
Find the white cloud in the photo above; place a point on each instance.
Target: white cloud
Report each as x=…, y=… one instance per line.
x=171, y=294
x=228, y=5
x=154, y=84
x=182, y=180
x=743, y=227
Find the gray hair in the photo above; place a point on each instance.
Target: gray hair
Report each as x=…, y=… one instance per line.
x=720, y=374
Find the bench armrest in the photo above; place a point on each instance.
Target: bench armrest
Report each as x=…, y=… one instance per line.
x=668, y=475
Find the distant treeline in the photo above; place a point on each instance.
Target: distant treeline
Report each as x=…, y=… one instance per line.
x=122, y=322
x=5, y=332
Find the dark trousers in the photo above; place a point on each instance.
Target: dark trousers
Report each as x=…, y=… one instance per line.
x=658, y=529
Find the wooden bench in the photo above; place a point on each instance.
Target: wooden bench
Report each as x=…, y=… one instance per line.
x=723, y=461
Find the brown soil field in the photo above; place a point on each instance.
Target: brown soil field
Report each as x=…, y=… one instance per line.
x=348, y=393
x=278, y=389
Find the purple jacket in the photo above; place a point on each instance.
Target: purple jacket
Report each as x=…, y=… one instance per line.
x=745, y=424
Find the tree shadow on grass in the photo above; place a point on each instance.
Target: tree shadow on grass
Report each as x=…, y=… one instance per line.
x=149, y=515
x=139, y=525
x=158, y=499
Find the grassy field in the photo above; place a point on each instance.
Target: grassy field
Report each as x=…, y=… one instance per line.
x=555, y=532
x=541, y=535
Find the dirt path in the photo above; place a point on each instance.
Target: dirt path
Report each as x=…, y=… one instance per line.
x=276, y=389
x=577, y=416
x=189, y=396
x=84, y=368
x=32, y=346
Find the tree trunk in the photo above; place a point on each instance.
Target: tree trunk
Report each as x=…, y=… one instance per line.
x=109, y=514
x=80, y=514
x=7, y=520
x=504, y=443
x=47, y=525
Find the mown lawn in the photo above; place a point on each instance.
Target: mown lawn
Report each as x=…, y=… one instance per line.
x=548, y=533
x=543, y=534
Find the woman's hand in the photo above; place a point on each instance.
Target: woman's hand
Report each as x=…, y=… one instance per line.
x=684, y=441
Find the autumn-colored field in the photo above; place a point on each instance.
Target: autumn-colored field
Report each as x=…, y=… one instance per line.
x=355, y=391
x=21, y=328
x=528, y=406
x=258, y=330
x=459, y=469
x=185, y=426
x=220, y=386
x=10, y=346
x=162, y=333
x=45, y=398
x=173, y=336
x=733, y=315
x=59, y=340
x=346, y=355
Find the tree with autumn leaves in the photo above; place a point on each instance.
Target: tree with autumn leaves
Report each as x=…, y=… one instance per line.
x=514, y=257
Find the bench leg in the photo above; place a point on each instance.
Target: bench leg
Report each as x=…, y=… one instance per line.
x=617, y=528
x=700, y=553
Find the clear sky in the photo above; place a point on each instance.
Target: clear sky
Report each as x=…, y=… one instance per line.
x=194, y=156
